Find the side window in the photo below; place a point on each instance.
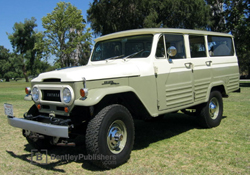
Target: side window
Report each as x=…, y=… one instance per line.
x=220, y=46
x=178, y=42
x=197, y=46
x=160, y=51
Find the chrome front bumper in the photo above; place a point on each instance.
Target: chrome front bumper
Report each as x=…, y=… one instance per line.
x=39, y=127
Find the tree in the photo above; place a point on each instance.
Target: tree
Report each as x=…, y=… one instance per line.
x=23, y=41
x=66, y=34
x=8, y=68
x=234, y=18
x=108, y=16
x=238, y=23
x=217, y=15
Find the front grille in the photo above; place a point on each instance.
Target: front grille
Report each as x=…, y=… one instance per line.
x=52, y=80
x=45, y=106
x=51, y=95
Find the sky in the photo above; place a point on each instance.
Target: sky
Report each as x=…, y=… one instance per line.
x=12, y=11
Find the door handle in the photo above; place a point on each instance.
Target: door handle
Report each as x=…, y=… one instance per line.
x=189, y=65
x=208, y=63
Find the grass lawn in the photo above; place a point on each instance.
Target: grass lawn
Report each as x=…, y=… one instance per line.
x=174, y=145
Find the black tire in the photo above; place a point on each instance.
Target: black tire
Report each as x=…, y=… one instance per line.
x=107, y=150
x=211, y=112
x=45, y=142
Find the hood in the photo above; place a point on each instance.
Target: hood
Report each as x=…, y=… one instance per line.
x=91, y=72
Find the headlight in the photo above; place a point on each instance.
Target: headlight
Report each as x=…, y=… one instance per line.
x=66, y=95
x=35, y=93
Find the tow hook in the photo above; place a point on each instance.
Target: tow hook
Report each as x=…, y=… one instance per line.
x=36, y=136
x=66, y=143
x=32, y=135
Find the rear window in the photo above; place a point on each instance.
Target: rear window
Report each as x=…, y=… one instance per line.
x=220, y=46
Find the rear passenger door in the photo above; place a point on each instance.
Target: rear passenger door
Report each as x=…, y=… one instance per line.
x=202, y=66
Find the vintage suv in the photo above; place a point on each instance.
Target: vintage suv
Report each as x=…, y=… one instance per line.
x=143, y=74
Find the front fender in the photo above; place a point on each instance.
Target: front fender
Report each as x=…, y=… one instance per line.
x=96, y=95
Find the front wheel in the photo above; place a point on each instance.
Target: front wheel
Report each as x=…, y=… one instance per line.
x=110, y=136
x=211, y=112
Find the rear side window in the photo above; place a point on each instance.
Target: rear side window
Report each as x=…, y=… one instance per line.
x=197, y=46
x=220, y=46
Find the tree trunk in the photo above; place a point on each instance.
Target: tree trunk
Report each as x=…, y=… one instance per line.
x=25, y=73
x=26, y=77
x=248, y=76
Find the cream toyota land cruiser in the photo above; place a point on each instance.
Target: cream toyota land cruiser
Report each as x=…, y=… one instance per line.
x=143, y=74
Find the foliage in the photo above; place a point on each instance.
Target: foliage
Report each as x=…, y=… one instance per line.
x=217, y=18
x=232, y=16
x=107, y=16
x=238, y=23
x=65, y=34
x=8, y=63
x=23, y=40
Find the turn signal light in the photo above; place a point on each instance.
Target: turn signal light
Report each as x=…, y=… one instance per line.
x=84, y=92
x=66, y=109
x=39, y=106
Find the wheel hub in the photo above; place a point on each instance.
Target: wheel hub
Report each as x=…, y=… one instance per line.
x=116, y=137
x=213, y=108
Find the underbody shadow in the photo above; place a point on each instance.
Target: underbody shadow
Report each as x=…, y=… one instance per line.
x=146, y=133
x=169, y=126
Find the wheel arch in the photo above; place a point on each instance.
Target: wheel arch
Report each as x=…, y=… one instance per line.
x=221, y=89
x=124, y=95
x=220, y=86
x=127, y=99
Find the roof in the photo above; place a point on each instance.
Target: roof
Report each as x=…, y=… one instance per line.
x=158, y=30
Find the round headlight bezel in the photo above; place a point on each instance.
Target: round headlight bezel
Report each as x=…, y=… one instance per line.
x=35, y=94
x=67, y=95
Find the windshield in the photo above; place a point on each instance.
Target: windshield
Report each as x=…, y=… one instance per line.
x=133, y=46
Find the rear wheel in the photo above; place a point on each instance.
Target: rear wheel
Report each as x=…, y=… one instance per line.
x=110, y=136
x=211, y=112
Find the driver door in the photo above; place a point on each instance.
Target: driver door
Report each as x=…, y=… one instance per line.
x=174, y=76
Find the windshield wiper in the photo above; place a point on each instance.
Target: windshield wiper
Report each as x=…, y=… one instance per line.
x=114, y=57
x=131, y=55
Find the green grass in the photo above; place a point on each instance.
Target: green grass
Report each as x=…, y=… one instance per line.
x=174, y=145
